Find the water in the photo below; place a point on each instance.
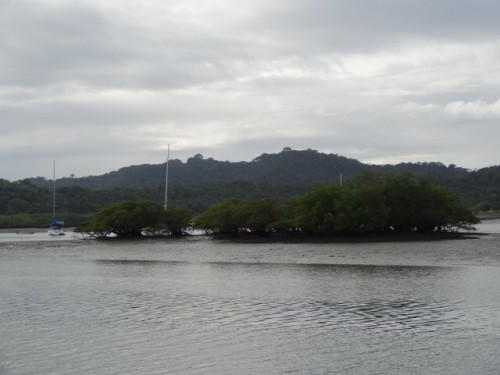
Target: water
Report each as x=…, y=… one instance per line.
x=197, y=306
x=489, y=226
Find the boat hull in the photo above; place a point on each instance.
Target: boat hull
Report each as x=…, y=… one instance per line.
x=56, y=232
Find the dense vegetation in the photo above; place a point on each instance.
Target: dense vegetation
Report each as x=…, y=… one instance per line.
x=399, y=204
x=200, y=183
x=23, y=204
x=135, y=219
x=288, y=167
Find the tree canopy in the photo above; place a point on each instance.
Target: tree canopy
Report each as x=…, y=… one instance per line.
x=200, y=182
x=398, y=204
x=135, y=219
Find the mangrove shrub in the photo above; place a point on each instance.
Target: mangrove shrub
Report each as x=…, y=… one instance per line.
x=135, y=219
x=396, y=204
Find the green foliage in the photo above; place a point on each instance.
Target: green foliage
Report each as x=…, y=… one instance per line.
x=363, y=210
x=135, y=219
x=416, y=205
x=395, y=204
x=40, y=220
x=227, y=216
x=232, y=216
x=319, y=209
x=281, y=168
x=200, y=182
x=176, y=220
x=259, y=214
x=125, y=219
x=290, y=217
x=22, y=197
x=25, y=221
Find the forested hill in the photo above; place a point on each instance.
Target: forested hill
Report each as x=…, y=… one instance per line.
x=303, y=168
x=289, y=167
x=279, y=175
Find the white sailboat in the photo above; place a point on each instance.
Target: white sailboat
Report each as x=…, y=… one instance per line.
x=56, y=227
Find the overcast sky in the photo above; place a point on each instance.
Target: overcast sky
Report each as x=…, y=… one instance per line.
x=102, y=84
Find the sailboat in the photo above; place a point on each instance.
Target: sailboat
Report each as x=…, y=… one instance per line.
x=56, y=227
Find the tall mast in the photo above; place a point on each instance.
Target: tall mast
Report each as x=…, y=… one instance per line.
x=54, y=189
x=166, y=177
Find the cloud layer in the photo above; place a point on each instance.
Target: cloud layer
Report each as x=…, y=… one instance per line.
x=102, y=84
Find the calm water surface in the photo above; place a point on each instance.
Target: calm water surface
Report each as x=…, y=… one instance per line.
x=102, y=308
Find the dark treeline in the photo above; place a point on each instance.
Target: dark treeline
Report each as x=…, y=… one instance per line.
x=398, y=204
x=200, y=183
x=23, y=204
x=374, y=205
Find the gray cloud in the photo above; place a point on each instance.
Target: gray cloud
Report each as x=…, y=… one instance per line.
x=101, y=84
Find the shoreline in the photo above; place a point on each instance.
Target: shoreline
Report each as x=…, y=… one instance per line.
x=22, y=230
x=28, y=230
x=369, y=238
x=473, y=251
x=286, y=238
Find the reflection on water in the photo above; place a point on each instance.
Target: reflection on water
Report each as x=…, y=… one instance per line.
x=62, y=316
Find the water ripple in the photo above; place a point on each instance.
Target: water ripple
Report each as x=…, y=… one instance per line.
x=174, y=310
x=142, y=318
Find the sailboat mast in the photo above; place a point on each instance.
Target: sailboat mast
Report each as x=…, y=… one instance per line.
x=166, y=177
x=54, y=189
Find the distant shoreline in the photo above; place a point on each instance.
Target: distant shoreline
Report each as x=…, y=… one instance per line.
x=22, y=230
x=27, y=230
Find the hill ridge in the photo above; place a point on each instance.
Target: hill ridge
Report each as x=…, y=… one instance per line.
x=303, y=167
x=199, y=182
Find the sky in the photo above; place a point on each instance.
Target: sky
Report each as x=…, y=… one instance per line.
x=97, y=85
